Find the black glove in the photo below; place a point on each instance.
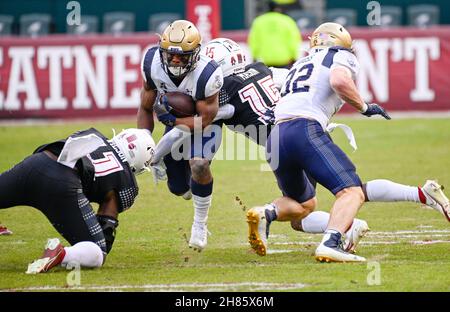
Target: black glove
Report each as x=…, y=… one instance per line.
x=375, y=109
x=162, y=110
x=108, y=225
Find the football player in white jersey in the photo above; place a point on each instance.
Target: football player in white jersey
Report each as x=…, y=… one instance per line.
x=315, y=89
x=176, y=65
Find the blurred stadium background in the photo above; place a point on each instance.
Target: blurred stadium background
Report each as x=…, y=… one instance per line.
x=50, y=70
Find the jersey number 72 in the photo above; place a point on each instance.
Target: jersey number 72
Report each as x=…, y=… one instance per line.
x=295, y=77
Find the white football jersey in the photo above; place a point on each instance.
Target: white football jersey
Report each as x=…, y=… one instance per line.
x=307, y=91
x=205, y=80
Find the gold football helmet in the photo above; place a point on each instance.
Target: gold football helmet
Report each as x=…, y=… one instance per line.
x=329, y=35
x=179, y=47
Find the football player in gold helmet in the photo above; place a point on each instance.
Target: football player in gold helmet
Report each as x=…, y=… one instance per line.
x=179, y=48
x=329, y=35
x=175, y=65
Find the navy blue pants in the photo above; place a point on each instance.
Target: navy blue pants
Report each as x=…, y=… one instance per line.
x=203, y=146
x=299, y=147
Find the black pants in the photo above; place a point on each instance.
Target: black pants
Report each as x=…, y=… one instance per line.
x=55, y=190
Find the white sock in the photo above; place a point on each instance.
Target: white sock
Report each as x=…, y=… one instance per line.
x=387, y=191
x=315, y=222
x=201, y=207
x=87, y=254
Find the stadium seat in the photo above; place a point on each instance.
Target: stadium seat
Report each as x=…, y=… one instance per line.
x=159, y=21
x=345, y=17
x=423, y=15
x=117, y=23
x=88, y=25
x=6, y=22
x=390, y=16
x=304, y=19
x=35, y=25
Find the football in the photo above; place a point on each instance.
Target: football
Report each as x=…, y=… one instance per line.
x=182, y=104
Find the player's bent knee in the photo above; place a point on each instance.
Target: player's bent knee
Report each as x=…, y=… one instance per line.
x=199, y=166
x=297, y=225
x=355, y=192
x=310, y=204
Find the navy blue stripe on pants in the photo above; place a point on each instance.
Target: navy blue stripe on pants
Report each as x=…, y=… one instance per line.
x=301, y=146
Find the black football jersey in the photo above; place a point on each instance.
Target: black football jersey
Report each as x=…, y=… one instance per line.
x=101, y=171
x=251, y=92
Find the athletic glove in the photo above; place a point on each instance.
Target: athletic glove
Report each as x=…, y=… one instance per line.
x=269, y=116
x=158, y=171
x=375, y=109
x=108, y=225
x=162, y=110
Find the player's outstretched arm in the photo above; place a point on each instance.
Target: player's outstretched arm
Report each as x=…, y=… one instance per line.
x=107, y=217
x=342, y=83
x=145, y=112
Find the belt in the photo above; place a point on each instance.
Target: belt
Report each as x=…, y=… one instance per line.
x=293, y=118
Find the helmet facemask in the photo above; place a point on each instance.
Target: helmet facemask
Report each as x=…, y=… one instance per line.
x=176, y=62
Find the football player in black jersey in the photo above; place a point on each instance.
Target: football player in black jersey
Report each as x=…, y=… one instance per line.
x=62, y=178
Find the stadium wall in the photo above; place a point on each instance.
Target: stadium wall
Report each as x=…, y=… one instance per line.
x=60, y=76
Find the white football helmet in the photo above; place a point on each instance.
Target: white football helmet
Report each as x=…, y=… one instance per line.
x=228, y=54
x=138, y=147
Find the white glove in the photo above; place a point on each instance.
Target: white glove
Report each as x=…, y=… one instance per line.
x=158, y=171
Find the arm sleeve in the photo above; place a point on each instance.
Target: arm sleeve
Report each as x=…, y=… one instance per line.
x=348, y=60
x=225, y=112
x=279, y=76
x=170, y=140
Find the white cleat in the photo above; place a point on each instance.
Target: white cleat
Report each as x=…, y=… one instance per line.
x=357, y=231
x=436, y=198
x=329, y=254
x=257, y=230
x=331, y=250
x=199, y=236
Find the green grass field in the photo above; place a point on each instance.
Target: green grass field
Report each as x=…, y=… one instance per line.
x=408, y=244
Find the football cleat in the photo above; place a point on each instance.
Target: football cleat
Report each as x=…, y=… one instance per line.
x=436, y=198
x=187, y=195
x=357, y=231
x=199, y=236
x=258, y=229
x=331, y=250
x=4, y=230
x=54, y=254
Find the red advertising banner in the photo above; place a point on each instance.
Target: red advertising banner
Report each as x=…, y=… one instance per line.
x=100, y=76
x=205, y=14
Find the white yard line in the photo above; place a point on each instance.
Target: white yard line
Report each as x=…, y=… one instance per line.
x=409, y=232
x=249, y=286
